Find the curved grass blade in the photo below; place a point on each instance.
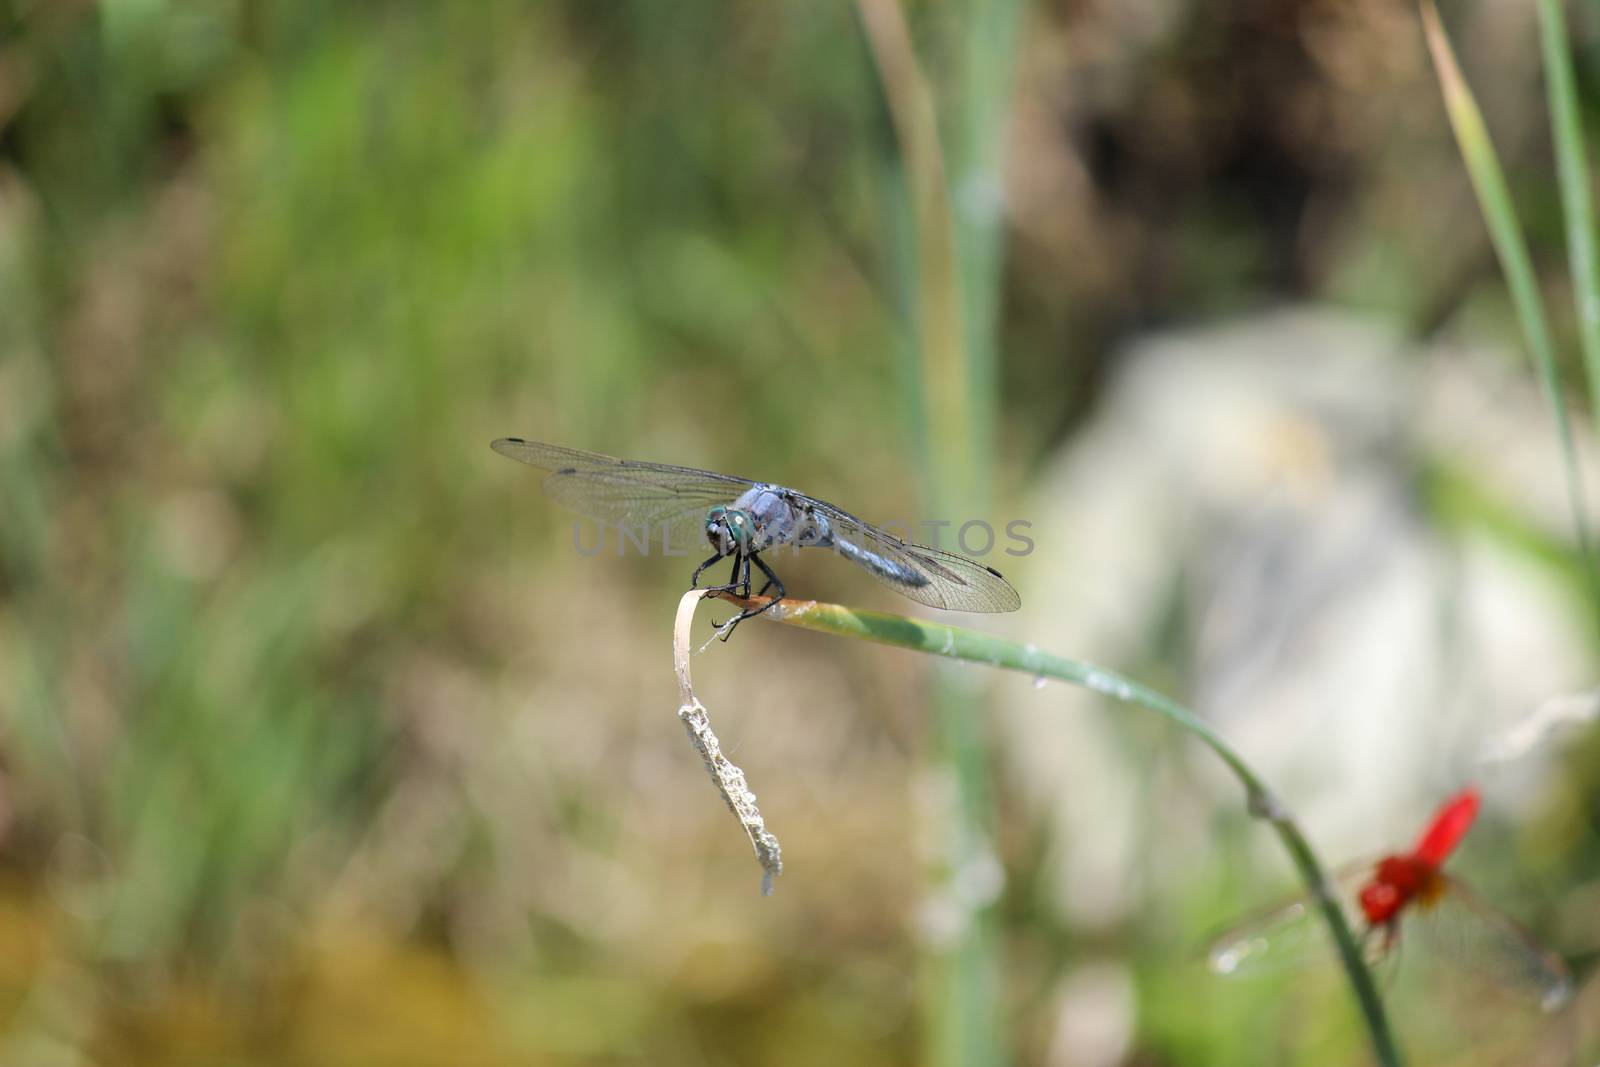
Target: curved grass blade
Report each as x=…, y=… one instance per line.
x=1505, y=232
x=955, y=642
x=1577, y=204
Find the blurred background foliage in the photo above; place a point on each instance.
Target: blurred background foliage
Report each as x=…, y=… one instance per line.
x=320, y=745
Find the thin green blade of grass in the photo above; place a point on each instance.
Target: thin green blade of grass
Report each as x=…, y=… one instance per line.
x=1505, y=232
x=989, y=44
x=937, y=278
x=1577, y=205
x=956, y=643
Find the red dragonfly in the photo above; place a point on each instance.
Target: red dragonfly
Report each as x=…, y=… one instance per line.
x=1380, y=895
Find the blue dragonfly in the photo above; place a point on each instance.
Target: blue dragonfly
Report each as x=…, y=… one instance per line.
x=741, y=519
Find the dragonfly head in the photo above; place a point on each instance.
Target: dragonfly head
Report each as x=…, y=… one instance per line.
x=1381, y=902
x=729, y=530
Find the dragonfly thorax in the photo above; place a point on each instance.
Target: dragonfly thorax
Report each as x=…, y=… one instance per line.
x=1397, y=881
x=764, y=516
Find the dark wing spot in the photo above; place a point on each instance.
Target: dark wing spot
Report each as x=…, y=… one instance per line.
x=516, y=440
x=994, y=572
x=568, y=470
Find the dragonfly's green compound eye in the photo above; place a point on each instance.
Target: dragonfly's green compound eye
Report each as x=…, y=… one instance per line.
x=735, y=522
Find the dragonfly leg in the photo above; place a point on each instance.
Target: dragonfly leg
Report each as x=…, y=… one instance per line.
x=727, y=587
x=733, y=584
x=1394, y=945
x=772, y=580
x=694, y=579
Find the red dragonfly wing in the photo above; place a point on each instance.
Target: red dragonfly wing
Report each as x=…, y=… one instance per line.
x=1293, y=934
x=1476, y=936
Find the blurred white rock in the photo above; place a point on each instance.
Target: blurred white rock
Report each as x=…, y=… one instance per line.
x=1264, y=480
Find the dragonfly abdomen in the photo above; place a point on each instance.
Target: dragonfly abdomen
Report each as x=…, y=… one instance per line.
x=898, y=573
x=817, y=532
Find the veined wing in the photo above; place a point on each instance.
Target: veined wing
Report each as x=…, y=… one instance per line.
x=1292, y=934
x=1478, y=937
x=929, y=576
x=625, y=492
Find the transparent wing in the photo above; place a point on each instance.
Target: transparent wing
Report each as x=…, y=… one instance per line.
x=1476, y=936
x=624, y=491
x=929, y=576
x=1292, y=934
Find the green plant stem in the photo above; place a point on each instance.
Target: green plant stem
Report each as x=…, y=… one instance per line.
x=1577, y=205
x=956, y=643
x=947, y=272
x=989, y=51
x=1499, y=215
